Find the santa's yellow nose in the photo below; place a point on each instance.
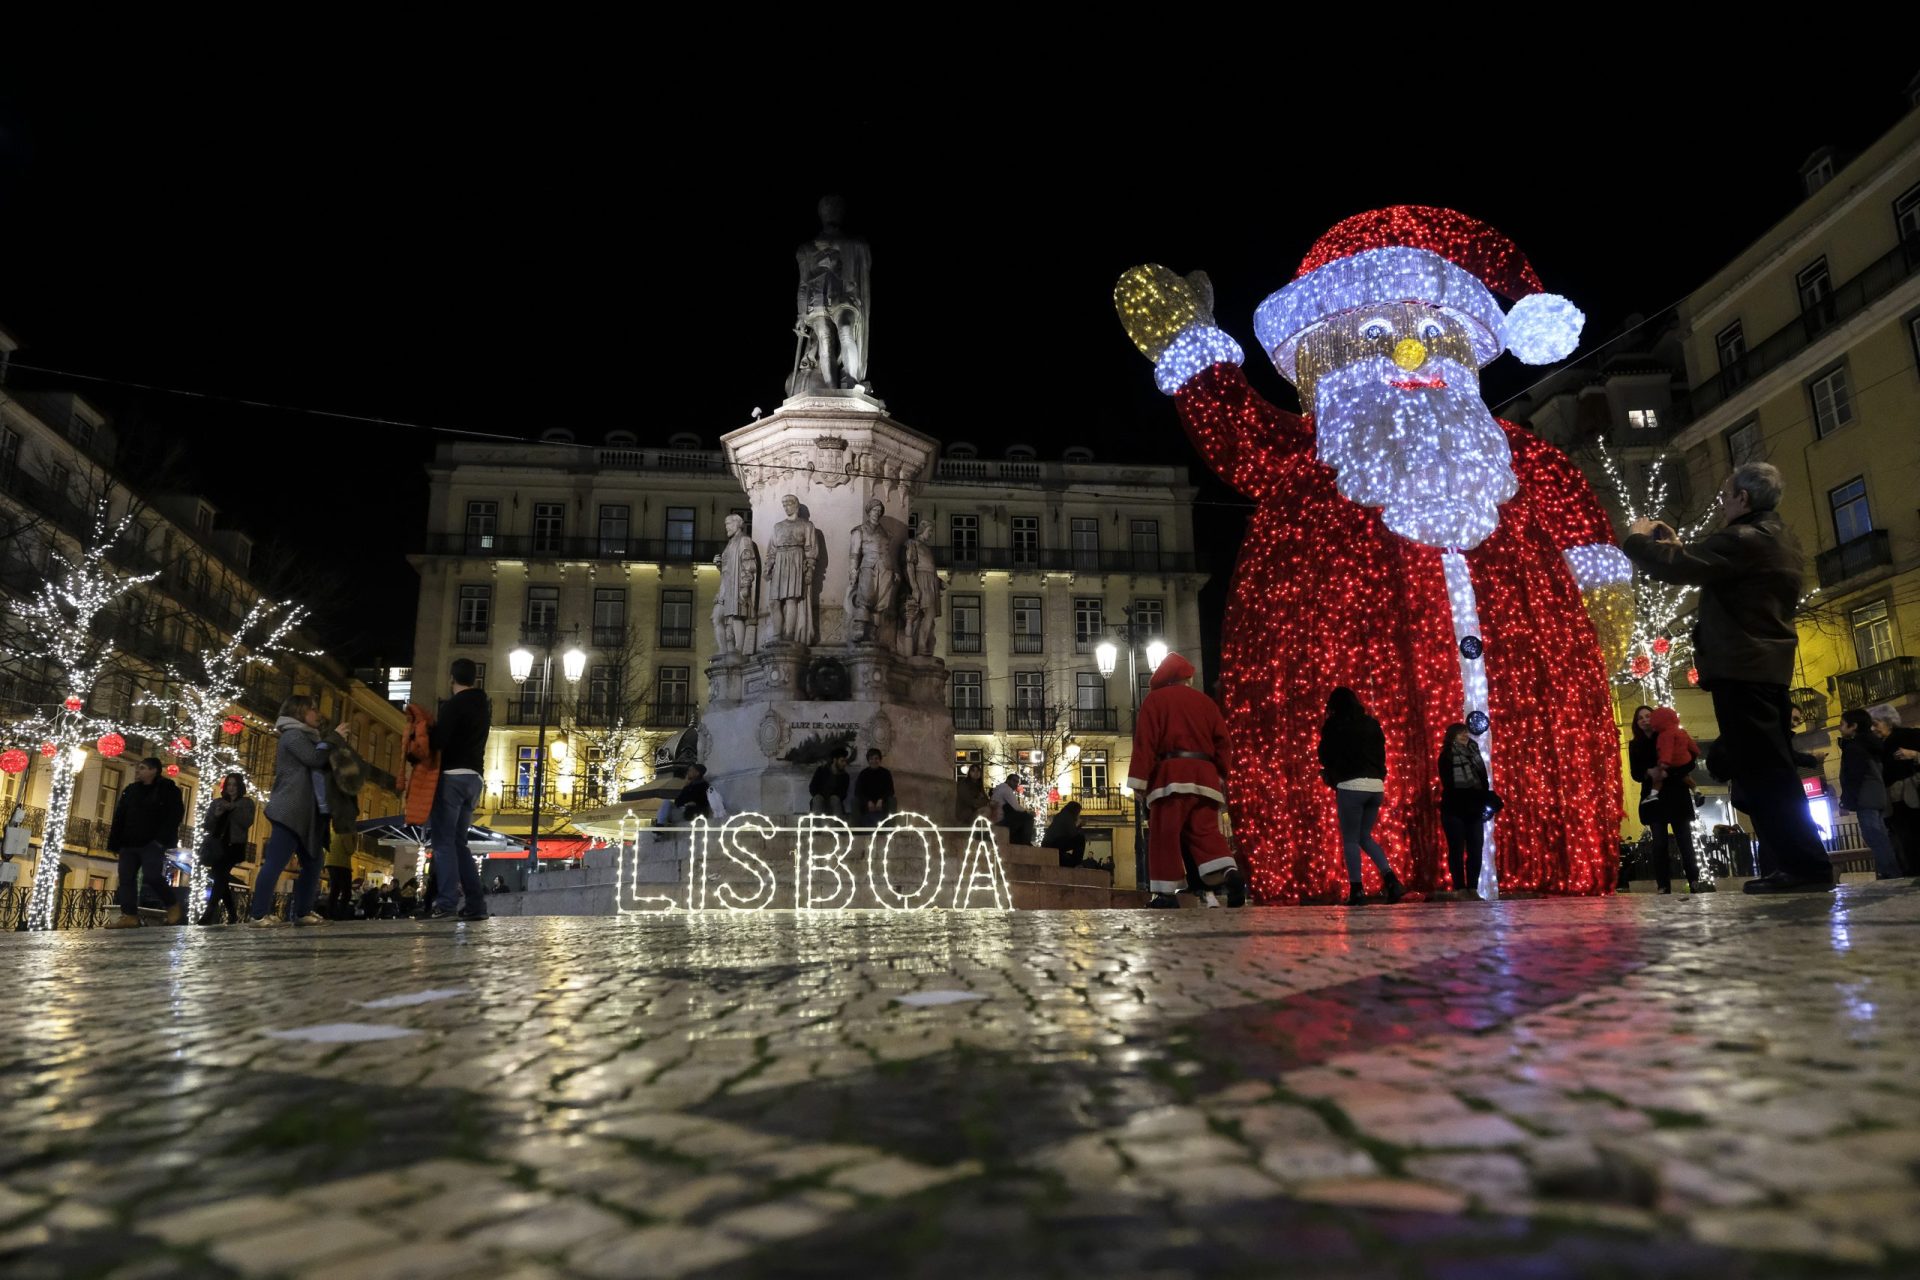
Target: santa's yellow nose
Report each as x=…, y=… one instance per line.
x=1409, y=353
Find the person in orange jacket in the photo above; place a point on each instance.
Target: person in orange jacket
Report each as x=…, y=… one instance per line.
x=1179, y=767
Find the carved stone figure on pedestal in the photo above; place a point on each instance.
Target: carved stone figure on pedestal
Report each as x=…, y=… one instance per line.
x=872, y=581
x=923, y=605
x=831, y=351
x=791, y=555
x=736, y=606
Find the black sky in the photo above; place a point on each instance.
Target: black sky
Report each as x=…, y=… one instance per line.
x=566, y=253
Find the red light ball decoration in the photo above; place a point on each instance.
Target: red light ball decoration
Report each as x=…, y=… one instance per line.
x=1662, y=646
x=110, y=745
x=73, y=704
x=181, y=744
x=13, y=760
x=48, y=750
x=1641, y=666
x=1693, y=676
x=232, y=725
x=173, y=771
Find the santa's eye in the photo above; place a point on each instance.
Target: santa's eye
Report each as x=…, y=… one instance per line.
x=1376, y=330
x=1432, y=331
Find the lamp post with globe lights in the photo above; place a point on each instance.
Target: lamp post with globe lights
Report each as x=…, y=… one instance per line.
x=520, y=666
x=1107, y=655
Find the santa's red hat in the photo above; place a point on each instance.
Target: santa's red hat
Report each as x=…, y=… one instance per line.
x=1415, y=253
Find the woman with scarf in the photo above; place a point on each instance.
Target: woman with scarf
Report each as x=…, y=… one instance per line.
x=1463, y=807
x=1662, y=756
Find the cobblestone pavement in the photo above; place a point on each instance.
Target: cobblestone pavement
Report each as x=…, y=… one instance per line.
x=1714, y=1086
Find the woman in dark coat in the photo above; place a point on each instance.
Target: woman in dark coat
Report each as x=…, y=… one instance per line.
x=1353, y=761
x=1863, y=789
x=1661, y=756
x=224, y=844
x=1900, y=769
x=1463, y=807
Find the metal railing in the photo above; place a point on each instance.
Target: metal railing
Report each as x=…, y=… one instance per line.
x=1069, y=560
x=963, y=642
x=973, y=719
x=518, y=546
x=676, y=637
x=1812, y=706
x=669, y=715
x=1028, y=642
x=1870, y=550
x=1032, y=719
x=1874, y=282
x=1095, y=719
x=1881, y=682
x=609, y=637
x=470, y=635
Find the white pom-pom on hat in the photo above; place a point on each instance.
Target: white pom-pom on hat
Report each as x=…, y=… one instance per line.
x=1542, y=328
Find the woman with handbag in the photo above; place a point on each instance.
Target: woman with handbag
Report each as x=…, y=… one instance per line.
x=1463, y=807
x=1662, y=755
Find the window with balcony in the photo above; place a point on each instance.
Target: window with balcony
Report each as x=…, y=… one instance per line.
x=1089, y=622
x=1814, y=284
x=969, y=702
x=1872, y=634
x=679, y=533
x=483, y=525
x=1093, y=772
x=673, y=696
x=1146, y=544
x=1818, y=174
x=603, y=692
x=476, y=612
x=543, y=609
x=1029, y=701
x=523, y=772
x=1731, y=346
x=1849, y=503
x=676, y=619
x=614, y=524
x=964, y=540
x=1149, y=619
x=1085, y=533
x=609, y=617
x=1832, y=401
x=1090, y=711
x=1028, y=612
x=1026, y=541
x=965, y=637
x=548, y=517
x=1906, y=213
x=1643, y=420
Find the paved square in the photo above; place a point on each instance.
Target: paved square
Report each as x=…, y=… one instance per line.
x=1712, y=1086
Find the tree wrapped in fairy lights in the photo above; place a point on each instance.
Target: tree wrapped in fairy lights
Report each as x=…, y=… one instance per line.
x=59, y=628
x=1658, y=646
x=202, y=728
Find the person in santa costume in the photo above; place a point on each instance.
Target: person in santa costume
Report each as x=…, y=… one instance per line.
x=1443, y=564
x=1179, y=767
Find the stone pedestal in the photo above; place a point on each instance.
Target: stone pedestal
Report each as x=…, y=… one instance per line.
x=774, y=714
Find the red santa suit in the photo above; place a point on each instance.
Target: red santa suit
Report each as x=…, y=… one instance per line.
x=1327, y=594
x=1179, y=765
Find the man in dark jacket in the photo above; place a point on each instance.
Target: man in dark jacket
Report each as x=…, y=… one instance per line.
x=827, y=793
x=459, y=734
x=1749, y=575
x=872, y=792
x=146, y=822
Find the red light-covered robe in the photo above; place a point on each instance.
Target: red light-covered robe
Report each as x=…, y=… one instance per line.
x=1325, y=595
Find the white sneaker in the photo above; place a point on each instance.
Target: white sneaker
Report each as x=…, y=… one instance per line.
x=1212, y=899
x=311, y=918
x=264, y=922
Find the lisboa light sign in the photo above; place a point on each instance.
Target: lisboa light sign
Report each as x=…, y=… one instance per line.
x=826, y=866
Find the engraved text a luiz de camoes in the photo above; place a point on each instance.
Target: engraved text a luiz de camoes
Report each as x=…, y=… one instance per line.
x=826, y=860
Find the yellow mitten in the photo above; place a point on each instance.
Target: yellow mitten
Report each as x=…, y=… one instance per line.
x=1155, y=305
x=1611, y=608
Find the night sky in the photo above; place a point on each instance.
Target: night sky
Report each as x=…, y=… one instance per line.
x=567, y=255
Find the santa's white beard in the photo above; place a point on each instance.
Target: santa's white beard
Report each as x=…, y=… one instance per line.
x=1433, y=460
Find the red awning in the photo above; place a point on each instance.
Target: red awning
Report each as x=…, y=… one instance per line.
x=550, y=847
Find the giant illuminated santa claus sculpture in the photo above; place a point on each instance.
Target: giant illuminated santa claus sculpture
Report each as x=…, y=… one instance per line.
x=1445, y=565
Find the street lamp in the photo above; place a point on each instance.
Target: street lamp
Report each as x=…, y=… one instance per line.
x=1108, y=656
x=520, y=666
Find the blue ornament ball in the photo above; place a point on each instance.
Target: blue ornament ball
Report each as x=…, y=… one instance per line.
x=1477, y=723
x=1471, y=646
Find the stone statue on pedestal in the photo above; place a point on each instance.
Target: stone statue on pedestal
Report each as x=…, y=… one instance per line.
x=791, y=556
x=736, y=606
x=872, y=581
x=833, y=304
x=923, y=604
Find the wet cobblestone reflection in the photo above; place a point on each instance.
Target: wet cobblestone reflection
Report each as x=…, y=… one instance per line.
x=1649, y=1086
